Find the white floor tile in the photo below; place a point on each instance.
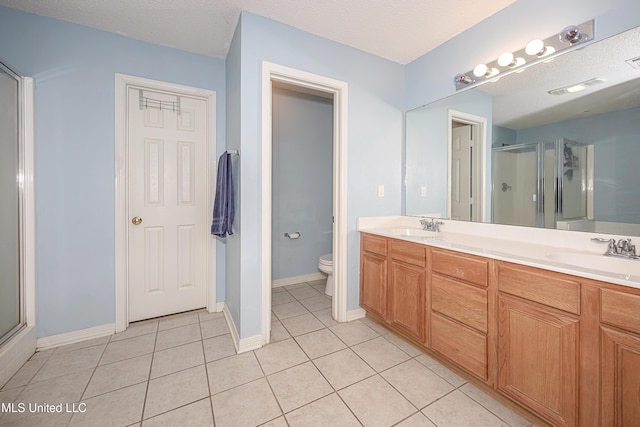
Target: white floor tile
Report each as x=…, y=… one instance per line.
x=343, y=368
x=328, y=411
x=279, y=356
x=298, y=386
x=197, y=414
x=126, y=349
x=175, y=390
x=457, y=409
x=233, y=371
x=121, y=407
x=117, y=375
x=177, y=359
x=376, y=403
x=251, y=404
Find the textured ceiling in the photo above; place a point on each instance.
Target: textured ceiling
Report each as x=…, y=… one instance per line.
x=399, y=30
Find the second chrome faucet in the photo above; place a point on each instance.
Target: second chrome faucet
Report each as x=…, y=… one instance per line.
x=623, y=248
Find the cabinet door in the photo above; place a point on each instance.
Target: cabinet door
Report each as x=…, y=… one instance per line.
x=406, y=298
x=538, y=358
x=620, y=369
x=373, y=284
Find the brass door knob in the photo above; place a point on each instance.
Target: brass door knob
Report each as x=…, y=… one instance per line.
x=136, y=220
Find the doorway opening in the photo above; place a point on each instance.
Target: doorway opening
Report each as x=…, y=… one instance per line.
x=467, y=135
x=273, y=74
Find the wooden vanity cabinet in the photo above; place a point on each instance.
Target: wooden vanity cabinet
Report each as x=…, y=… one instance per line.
x=564, y=347
x=459, y=310
x=373, y=274
x=539, y=341
x=620, y=358
x=406, y=288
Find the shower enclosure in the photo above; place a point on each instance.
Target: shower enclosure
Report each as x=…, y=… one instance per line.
x=540, y=184
x=11, y=294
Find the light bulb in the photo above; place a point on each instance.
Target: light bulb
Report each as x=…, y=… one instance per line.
x=480, y=70
x=535, y=48
x=506, y=59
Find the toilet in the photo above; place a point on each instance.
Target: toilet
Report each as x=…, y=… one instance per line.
x=325, y=264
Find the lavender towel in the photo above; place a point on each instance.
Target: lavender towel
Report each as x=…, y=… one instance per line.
x=223, y=207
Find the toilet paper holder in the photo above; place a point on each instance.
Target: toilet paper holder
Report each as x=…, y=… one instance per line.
x=291, y=236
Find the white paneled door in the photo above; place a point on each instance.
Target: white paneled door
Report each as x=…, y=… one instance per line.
x=461, y=174
x=167, y=203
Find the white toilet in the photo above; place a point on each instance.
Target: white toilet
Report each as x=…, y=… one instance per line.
x=325, y=264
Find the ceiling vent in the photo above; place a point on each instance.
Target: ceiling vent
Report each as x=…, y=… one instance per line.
x=634, y=62
x=578, y=87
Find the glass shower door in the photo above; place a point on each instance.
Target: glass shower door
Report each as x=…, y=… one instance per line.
x=516, y=189
x=10, y=280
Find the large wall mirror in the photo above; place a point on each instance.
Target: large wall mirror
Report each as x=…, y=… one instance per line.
x=537, y=149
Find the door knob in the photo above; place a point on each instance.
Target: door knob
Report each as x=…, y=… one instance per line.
x=136, y=220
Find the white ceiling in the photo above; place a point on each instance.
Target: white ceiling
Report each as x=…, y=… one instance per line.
x=399, y=30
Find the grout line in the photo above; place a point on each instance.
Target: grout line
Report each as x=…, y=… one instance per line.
x=146, y=391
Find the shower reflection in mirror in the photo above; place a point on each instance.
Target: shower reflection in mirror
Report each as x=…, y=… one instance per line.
x=548, y=183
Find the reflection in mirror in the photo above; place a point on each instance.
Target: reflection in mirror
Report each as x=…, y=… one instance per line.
x=558, y=154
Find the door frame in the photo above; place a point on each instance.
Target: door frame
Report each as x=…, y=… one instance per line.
x=478, y=160
x=339, y=90
x=122, y=84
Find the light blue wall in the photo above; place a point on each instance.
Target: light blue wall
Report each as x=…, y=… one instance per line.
x=302, y=183
x=430, y=77
x=503, y=136
x=73, y=68
x=426, y=151
x=616, y=151
x=232, y=243
x=376, y=88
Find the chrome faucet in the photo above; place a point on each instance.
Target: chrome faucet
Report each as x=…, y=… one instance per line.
x=623, y=248
x=431, y=225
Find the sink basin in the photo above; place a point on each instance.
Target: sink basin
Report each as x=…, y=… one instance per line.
x=415, y=232
x=599, y=262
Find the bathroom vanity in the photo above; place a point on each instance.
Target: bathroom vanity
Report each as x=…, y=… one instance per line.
x=562, y=341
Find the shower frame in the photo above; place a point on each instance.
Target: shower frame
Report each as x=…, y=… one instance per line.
x=558, y=180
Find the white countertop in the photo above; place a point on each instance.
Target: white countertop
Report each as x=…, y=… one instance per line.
x=521, y=245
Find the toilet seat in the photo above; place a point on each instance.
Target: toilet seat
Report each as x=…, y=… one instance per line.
x=327, y=260
x=325, y=264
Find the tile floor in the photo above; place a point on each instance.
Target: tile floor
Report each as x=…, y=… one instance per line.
x=182, y=370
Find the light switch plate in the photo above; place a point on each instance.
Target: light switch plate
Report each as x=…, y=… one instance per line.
x=380, y=190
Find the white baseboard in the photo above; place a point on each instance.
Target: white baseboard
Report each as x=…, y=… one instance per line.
x=75, y=336
x=231, y=325
x=245, y=344
x=250, y=343
x=356, y=314
x=297, y=279
x=217, y=308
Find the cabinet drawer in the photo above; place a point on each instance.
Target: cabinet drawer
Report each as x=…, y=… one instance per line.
x=620, y=309
x=464, y=303
x=374, y=244
x=411, y=253
x=465, y=267
x=462, y=345
x=544, y=287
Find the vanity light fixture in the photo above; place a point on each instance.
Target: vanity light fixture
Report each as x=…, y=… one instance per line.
x=536, y=50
